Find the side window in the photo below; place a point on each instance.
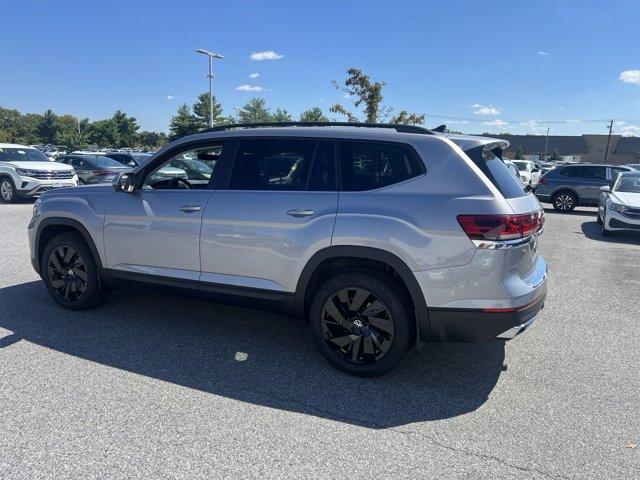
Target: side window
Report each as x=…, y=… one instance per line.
x=323, y=171
x=573, y=172
x=184, y=170
x=615, y=171
x=594, y=173
x=365, y=166
x=272, y=164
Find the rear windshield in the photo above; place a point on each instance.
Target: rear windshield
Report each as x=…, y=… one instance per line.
x=22, y=155
x=496, y=170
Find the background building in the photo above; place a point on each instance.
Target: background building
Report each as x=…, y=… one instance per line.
x=583, y=148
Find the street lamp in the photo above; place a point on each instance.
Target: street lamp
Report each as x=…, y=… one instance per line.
x=211, y=56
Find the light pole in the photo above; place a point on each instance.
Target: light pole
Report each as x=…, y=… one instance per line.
x=237, y=110
x=211, y=56
x=546, y=142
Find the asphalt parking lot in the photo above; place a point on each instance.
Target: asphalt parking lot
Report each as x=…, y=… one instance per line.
x=152, y=386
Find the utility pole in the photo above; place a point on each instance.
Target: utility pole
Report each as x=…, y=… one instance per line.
x=546, y=142
x=211, y=56
x=606, y=152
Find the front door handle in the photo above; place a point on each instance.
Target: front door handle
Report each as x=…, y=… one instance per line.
x=190, y=208
x=301, y=212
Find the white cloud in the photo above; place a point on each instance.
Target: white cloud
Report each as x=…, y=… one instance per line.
x=249, y=88
x=630, y=76
x=455, y=122
x=534, y=126
x=543, y=53
x=254, y=75
x=171, y=97
x=266, y=55
x=486, y=109
x=630, y=130
x=496, y=123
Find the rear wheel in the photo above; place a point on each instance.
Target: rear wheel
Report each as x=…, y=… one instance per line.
x=81, y=182
x=362, y=323
x=564, y=201
x=7, y=190
x=70, y=272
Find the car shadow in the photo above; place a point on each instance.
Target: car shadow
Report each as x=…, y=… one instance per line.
x=577, y=212
x=592, y=231
x=252, y=356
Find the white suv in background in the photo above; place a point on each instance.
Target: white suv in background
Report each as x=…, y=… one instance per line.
x=27, y=172
x=529, y=172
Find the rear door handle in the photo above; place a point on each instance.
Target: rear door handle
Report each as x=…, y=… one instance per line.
x=190, y=208
x=301, y=212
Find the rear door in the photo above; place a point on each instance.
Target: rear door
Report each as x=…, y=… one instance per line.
x=277, y=210
x=591, y=179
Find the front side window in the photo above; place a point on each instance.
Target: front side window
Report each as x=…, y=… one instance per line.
x=368, y=165
x=184, y=170
x=273, y=164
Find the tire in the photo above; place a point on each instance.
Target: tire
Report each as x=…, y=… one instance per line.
x=81, y=182
x=8, y=192
x=565, y=201
x=598, y=219
x=74, y=284
x=369, y=345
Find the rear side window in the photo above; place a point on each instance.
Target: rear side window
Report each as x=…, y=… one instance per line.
x=597, y=173
x=497, y=172
x=273, y=164
x=366, y=166
x=573, y=172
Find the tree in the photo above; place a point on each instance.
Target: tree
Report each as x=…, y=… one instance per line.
x=255, y=110
x=202, y=112
x=365, y=92
x=152, y=139
x=103, y=133
x=519, y=154
x=184, y=123
x=47, y=128
x=313, y=115
x=281, y=115
x=126, y=128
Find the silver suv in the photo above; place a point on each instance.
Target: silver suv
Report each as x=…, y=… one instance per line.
x=381, y=237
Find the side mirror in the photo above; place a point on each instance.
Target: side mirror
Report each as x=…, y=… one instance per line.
x=131, y=164
x=605, y=188
x=125, y=182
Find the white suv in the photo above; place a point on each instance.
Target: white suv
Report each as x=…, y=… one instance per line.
x=27, y=172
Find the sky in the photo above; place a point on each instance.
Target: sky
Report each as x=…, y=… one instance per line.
x=478, y=66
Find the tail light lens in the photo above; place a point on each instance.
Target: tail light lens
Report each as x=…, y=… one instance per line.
x=501, y=227
x=101, y=172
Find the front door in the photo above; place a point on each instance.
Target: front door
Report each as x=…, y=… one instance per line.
x=279, y=208
x=155, y=230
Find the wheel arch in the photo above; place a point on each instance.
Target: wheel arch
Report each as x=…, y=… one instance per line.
x=52, y=226
x=347, y=252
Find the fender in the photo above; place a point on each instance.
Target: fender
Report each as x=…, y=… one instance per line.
x=67, y=222
x=349, y=251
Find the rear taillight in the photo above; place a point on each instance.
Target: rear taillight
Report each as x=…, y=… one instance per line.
x=101, y=172
x=543, y=181
x=501, y=227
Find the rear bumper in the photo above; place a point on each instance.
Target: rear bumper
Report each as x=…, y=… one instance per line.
x=477, y=325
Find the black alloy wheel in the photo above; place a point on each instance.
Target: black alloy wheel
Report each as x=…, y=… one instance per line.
x=67, y=273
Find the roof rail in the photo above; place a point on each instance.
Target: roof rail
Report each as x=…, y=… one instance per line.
x=400, y=128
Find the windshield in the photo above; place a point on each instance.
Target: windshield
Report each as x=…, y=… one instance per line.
x=522, y=166
x=22, y=155
x=142, y=158
x=628, y=183
x=103, y=162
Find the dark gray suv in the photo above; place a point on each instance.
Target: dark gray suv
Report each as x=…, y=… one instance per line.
x=570, y=186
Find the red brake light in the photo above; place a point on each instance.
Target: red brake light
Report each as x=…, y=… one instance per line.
x=101, y=172
x=501, y=227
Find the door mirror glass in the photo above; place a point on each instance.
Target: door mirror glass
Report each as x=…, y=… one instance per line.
x=125, y=182
x=605, y=188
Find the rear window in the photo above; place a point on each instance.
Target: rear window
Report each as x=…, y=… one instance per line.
x=496, y=171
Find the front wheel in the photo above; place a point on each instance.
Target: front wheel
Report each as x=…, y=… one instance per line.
x=7, y=190
x=70, y=272
x=565, y=201
x=362, y=323
x=603, y=225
